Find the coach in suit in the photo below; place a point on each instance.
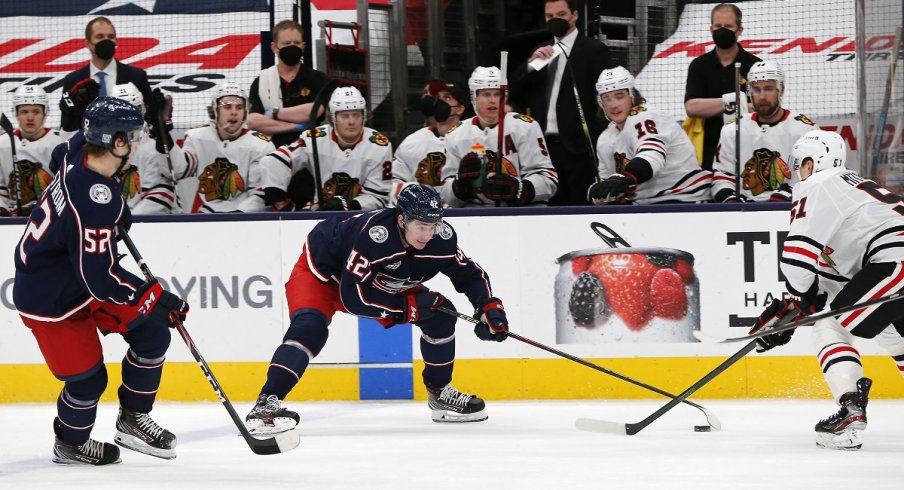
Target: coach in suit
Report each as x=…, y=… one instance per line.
x=535, y=89
x=98, y=77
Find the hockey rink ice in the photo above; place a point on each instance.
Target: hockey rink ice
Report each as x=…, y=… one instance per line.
x=395, y=445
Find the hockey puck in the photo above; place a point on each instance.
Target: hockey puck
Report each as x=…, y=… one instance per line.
x=702, y=428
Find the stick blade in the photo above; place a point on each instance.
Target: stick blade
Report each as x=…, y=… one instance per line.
x=280, y=443
x=6, y=124
x=603, y=426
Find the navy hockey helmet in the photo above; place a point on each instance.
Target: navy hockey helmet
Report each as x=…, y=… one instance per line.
x=420, y=202
x=108, y=116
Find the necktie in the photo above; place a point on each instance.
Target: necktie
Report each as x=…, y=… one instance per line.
x=103, y=84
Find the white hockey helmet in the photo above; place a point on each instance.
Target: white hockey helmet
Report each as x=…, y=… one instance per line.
x=226, y=89
x=826, y=148
x=766, y=70
x=484, y=77
x=613, y=79
x=31, y=95
x=129, y=93
x=346, y=99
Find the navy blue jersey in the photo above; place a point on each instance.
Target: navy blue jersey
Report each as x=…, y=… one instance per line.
x=68, y=255
x=366, y=256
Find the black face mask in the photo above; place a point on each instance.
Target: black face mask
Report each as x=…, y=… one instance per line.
x=558, y=27
x=105, y=49
x=291, y=55
x=441, y=111
x=724, y=38
x=427, y=105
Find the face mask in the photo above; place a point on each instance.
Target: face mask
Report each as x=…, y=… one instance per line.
x=558, y=27
x=724, y=38
x=427, y=105
x=441, y=111
x=290, y=55
x=105, y=49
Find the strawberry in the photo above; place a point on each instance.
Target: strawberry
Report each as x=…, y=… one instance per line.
x=668, y=294
x=685, y=270
x=626, y=281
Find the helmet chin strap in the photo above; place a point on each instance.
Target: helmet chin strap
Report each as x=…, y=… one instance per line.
x=123, y=159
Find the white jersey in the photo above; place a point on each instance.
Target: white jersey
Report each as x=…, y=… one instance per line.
x=418, y=159
x=765, y=150
x=525, y=157
x=362, y=172
x=34, y=161
x=229, y=175
x=147, y=186
x=839, y=223
x=661, y=142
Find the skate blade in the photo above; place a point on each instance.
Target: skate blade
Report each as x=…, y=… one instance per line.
x=59, y=460
x=445, y=416
x=847, y=440
x=135, y=444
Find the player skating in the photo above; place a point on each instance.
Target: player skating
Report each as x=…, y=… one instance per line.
x=373, y=265
x=69, y=285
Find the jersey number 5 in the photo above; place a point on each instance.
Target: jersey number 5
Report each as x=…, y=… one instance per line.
x=97, y=240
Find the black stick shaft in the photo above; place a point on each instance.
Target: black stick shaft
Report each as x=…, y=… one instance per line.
x=737, y=151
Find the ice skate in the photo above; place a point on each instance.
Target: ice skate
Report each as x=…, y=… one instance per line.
x=139, y=432
x=842, y=430
x=92, y=452
x=450, y=405
x=268, y=417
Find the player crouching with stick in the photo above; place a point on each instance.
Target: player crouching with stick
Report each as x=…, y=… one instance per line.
x=372, y=265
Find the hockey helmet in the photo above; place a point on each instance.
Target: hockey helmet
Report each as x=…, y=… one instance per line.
x=420, y=202
x=108, y=117
x=226, y=89
x=346, y=99
x=484, y=77
x=129, y=93
x=827, y=149
x=31, y=95
x=766, y=70
x=613, y=79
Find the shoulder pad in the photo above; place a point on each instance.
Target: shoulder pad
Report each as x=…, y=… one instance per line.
x=637, y=110
x=804, y=119
x=261, y=136
x=524, y=117
x=379, y=139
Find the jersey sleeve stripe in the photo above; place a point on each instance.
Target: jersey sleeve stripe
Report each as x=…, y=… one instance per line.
x=800, y=251
x=800, y=238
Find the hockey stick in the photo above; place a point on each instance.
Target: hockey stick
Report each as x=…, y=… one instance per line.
x=577, y=98
x=816, y=317
x=887, y=101
x=161, y=133
x=737, y=139
x=280, y=443
x=315, y=110
x=8, y=127
x=503, y=88
x=710, y=417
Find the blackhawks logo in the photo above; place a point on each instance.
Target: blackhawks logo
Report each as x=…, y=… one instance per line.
x=319, y=132
x=804, y=119
x=262, y=136
x=524, y=118
x=220, y=180
x=34, y=180
x=637, y=110
x=621, y=161
x=430, y=168
x=131, y=183
x=765, y=171
x=379, y=140
x=342, y=185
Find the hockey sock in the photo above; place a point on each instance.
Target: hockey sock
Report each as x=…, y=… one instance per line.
x=841, y=367
x=77, y=407
x=304, y=339
x=140, y=381
x=438, y=350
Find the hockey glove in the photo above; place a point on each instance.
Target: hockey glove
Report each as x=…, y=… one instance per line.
x=616, y=189
x=337, y=203
x=421, y=306
x=75, y=101
x=468, y=172
x=514, y=191
x=493, y=323
x=780, y=312
x=158, y=104
x=159, y=304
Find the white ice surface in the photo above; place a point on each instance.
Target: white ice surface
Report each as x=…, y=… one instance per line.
x=524, y=445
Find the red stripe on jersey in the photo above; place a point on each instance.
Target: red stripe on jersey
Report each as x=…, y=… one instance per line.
x=800, y=251
x=701, y=179
x=894, y=282
x=724, y=177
